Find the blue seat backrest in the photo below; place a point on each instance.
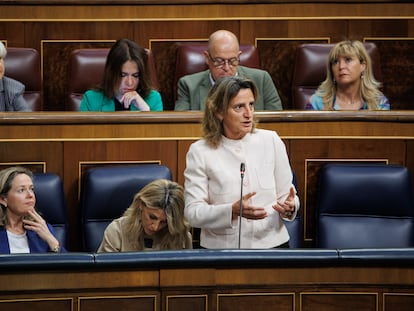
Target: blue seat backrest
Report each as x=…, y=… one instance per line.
x=50, y=202
x=107, y=192
x=365, y=205
x=295, y=227
x=295, y=232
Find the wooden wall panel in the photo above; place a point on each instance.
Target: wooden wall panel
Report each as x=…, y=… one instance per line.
x=398, y=301
x=63, y=304
x=191, y=302
x=183, y=287
x=49, y=155
x=255, y=301
x=13, y=33
x=397, y=66
x=339, y=301
x=118, y=302
x=164, y=52
x=187, y=10
x=181, y=159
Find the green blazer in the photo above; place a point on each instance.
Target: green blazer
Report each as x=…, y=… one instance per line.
x=94, y=100
x=193, y=89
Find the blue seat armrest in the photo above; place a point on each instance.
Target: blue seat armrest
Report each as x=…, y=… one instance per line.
x=378, y=256
x=46, y=261
x=218, y=258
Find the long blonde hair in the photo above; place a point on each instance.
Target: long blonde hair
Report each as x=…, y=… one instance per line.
x=168, y=196
x=370, y=92
x=7, y=176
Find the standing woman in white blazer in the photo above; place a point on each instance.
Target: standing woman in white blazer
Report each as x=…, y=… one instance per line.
x=213, y=178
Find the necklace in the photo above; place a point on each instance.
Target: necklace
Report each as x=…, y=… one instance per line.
x=348, y=105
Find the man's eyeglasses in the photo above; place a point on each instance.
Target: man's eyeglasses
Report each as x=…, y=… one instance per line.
x=220, y=62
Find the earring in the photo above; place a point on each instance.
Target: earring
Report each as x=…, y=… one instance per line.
x=362, y=75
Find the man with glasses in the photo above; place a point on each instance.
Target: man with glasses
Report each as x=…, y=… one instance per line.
x=223, y=59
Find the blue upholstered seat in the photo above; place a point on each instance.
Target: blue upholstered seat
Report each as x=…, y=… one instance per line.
x=107, y=192
x=294, y=227
x=215, y=258
x=365, y=206
x=207, y=258
x=374, y=256
x=50, y=202
x=46, y=261
x=295, y=232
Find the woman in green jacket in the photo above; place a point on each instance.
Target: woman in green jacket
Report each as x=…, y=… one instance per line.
x=126, y=84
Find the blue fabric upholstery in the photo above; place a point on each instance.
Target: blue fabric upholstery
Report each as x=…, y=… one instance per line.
x=295, y=227
x=107, y=192
x=295, y=232
x=365, y=206
x=208, y=258
x=218, y=258
x=50, y=202
x=388, y=256
x=46, y=261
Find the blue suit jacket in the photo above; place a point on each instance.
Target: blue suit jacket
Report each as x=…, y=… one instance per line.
x=36, y=244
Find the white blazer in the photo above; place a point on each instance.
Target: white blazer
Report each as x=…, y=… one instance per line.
x=213, y=183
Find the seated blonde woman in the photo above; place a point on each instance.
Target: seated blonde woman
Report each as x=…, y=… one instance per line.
x=154, y=221
x=349, y=83
x=22, y=228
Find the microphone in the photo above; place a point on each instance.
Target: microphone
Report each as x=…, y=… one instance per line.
x=242, y=169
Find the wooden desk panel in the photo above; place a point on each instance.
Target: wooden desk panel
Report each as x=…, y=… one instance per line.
x=330, y=288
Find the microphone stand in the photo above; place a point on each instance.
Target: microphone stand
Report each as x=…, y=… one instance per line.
x=242, y=169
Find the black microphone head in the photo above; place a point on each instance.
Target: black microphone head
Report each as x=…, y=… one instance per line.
x=242, y=169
